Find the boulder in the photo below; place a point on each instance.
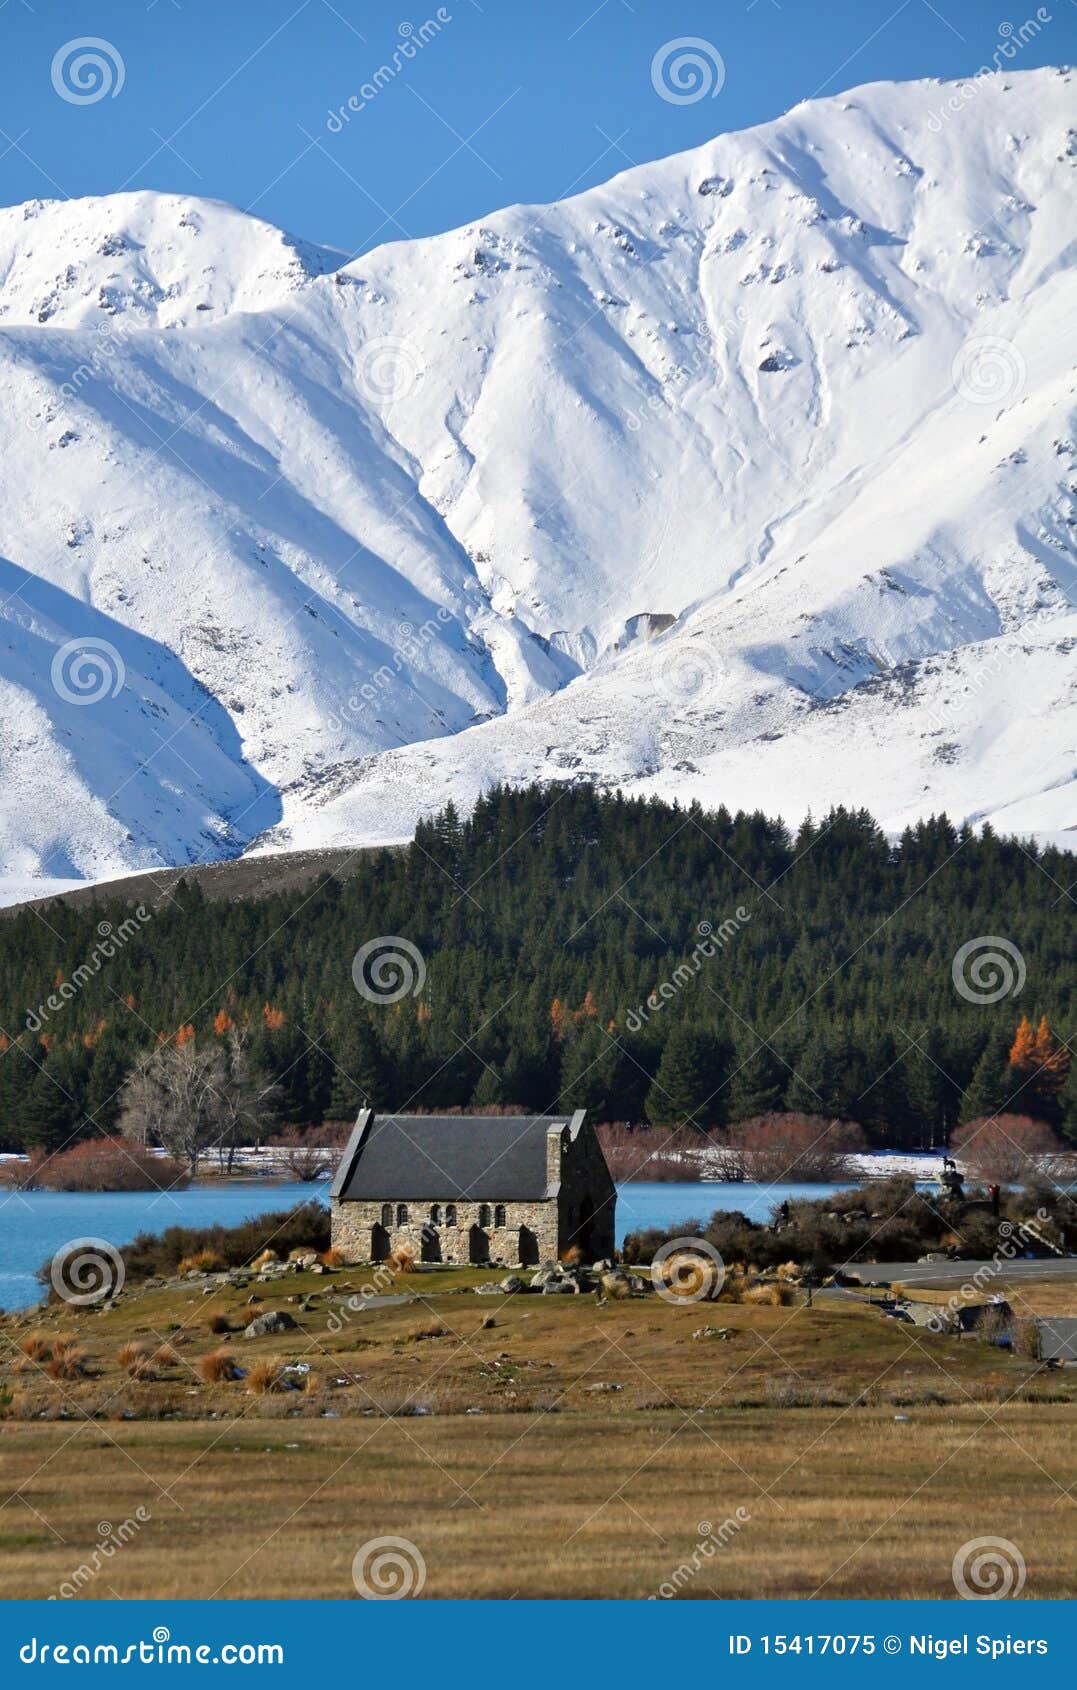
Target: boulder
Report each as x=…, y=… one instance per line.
x=274, y=1320
x=512, y=1284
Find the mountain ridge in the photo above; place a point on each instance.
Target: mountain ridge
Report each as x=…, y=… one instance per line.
x=747, y=476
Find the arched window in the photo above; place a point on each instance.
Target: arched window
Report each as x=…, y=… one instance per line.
x=387, y=1214
x=484, y=1214
x=401, y=1214
x=499, y=1214
x=435, y=1214
x=450, y=1214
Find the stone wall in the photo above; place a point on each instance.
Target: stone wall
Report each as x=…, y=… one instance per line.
x=579, y=1212
x=587, y=1198
x=360, y=1234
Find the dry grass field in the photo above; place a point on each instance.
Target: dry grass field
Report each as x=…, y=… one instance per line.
x=531, y=1446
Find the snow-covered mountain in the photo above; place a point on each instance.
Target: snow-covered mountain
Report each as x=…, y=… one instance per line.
x=750, y=476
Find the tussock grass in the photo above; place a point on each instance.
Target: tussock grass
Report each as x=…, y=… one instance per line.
x=265, y=1376
x=202, y=1261
x=216, y=1368
x=428, y=1329
x=68, y=1360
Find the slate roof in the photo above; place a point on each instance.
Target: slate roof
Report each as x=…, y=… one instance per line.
x=445, y=1157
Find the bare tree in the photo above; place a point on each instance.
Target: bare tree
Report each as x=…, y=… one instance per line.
x=187, y=1099
x=248, y=1102
x=311, y=1155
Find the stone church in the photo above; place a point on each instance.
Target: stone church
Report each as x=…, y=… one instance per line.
x=511, y=1189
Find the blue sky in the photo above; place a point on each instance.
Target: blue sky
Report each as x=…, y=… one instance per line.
x=506, y=100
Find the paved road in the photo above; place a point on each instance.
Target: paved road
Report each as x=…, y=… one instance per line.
x=956, y=1273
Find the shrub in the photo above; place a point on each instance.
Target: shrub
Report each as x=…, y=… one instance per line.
x=217, y=1367
x=331, y=1259
x=218, y=1324
x=648, y=1153
x=36, y=1347
x=167, y=1356
x=309, y=1155
x=1004, y=1148
x=402, y=1260
x=264, y=1376
x=23, y=1176
x=110, y=1164
x=265, y=1258
x=130, y=1353
x=236, y=1246
x=203, y=1261
x=68, y=1360
x=769, y=1296
x=788, y=1147
x=137, y=1360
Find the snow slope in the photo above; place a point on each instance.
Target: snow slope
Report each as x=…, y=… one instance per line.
x=749, y=476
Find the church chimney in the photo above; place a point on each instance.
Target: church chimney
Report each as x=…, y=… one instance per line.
x=554, y=1146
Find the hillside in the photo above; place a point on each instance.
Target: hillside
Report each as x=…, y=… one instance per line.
x=748, y=476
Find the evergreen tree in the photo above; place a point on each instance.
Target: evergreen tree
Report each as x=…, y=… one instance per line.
x=690, y=1085
x=992, y=1087
x=758, y=1083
